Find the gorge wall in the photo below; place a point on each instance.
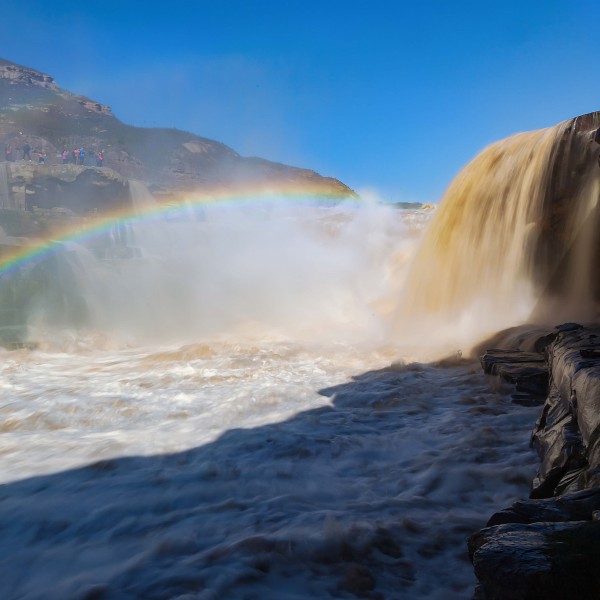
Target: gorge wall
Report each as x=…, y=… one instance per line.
x=549, y=546
x=36, y=111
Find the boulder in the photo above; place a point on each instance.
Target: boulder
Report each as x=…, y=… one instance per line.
x=549, y=561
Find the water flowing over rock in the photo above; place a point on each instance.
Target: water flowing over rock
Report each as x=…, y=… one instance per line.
x=515, y=236
x=515, y=242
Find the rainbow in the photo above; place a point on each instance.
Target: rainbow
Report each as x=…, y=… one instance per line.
x=22, y=252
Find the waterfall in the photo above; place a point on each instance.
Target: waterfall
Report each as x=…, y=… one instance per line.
x=5, y=198
x=515, y=235
x=141, y=198
x=141, y=233
x=125, y=238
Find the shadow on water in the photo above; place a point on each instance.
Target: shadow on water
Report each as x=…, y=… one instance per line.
x=371, y=497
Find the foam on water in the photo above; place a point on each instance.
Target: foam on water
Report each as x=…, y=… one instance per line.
x=221, y=421
x=239, y=363
x=256, y=471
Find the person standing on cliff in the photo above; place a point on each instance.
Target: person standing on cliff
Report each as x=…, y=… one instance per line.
x=8, y=153
x=26, y=149
x=81, y=156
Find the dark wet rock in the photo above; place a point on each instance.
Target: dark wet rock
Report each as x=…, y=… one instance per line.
x=523, y=338
x=568, y=327
x=527, y=377
x=550, y=561
x=527, y=370
x=572, y=411
x=549, y=546
x=493, y=359
x=558, y=443
x=578, y=506
x=524, y=399
x=567, y=433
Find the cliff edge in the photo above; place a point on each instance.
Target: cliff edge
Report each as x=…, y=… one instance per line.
x=34, y=110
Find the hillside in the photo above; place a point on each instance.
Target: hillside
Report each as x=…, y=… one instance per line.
x=35, y=110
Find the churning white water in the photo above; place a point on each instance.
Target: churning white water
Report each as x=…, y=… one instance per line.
x=226, y=424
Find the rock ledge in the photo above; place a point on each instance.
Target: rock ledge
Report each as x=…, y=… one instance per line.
x=549, y=546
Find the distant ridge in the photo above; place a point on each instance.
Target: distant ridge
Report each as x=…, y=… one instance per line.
x=34, y=109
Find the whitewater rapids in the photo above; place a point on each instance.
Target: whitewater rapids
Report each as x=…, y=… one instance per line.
x=228, y=424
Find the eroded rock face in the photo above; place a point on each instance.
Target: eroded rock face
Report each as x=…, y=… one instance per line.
x=577, y=506
x=567, y=434
x=34, y=110
x=527, y=370
x=78, y=189
x=549, y=546
x=17, y=74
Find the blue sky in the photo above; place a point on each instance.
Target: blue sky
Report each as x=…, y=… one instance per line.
x=392, y=96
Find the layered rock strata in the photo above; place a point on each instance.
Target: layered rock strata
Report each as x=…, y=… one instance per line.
x=35, y=111
x=77, y=189
x=549, y=546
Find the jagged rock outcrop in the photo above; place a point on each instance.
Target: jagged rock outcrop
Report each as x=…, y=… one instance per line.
x=34, y=110
x=77, y=189
x=17, y=74
x=549, y=546
x=567, y=434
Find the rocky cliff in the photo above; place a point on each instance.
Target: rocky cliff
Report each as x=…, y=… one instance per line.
x=549, y=546
x=35, y=110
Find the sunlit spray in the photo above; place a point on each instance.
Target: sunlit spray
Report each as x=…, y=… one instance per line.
x=257, y=267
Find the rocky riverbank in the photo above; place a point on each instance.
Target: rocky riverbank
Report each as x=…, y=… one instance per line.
x=549, y=546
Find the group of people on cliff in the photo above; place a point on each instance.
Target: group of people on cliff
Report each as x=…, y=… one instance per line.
x=11, y=154
x=78, y=157
x=75, y=157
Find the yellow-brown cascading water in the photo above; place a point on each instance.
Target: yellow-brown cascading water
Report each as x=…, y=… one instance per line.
x=515, y=231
